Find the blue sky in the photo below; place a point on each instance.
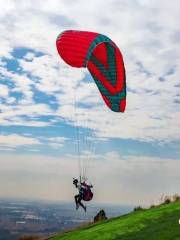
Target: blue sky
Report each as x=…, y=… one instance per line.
x=39, y=116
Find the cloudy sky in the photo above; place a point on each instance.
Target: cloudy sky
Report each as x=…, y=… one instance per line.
x=131, y=157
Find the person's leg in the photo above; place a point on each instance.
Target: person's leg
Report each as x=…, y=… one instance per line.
x=76, y=201
x=80, y=203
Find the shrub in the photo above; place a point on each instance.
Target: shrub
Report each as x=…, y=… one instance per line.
x=138, y=208
x=176, y=198
x=167, y=200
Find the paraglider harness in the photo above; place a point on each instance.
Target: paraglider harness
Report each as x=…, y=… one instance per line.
x=85, y=190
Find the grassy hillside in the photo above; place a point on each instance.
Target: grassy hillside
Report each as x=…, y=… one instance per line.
x=158, y=223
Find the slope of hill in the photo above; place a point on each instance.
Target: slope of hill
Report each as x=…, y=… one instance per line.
x=157, y=223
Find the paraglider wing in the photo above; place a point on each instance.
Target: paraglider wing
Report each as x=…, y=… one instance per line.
x=103, y=59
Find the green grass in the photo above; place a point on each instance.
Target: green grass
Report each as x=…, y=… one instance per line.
x=158, y=223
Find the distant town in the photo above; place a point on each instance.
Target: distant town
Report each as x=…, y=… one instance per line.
x=19, y=218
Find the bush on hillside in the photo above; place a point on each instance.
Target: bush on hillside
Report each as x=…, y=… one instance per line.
x=101, y=216
x=167, y=200
x=170, y=199
x=138, y=208
x=176, y=197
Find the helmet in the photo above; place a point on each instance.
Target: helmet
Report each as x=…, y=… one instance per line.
x=75, y=181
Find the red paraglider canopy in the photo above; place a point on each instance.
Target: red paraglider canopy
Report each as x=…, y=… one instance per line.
x=102, y=58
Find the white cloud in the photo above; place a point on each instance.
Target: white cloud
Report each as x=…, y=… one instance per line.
x=56, y=145
x=4, y=91
x=29, y=56
x=57, y=139
x=56, y=142
x=11, y=115
x=15, y=140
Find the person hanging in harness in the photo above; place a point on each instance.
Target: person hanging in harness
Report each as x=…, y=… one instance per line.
x=85, y=193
